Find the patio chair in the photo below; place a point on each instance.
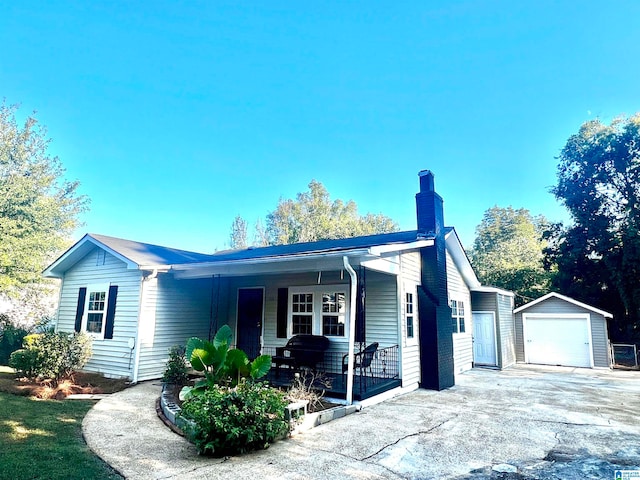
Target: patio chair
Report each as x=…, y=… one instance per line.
x=362, y=360
x=301, y=351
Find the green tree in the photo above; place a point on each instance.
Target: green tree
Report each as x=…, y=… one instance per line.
x=508, y=252
x=599, y=183
x=38, y=208
x=314, y=216
x=260, y=237
x=238, y=233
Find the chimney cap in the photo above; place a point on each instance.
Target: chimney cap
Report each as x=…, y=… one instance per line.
x=427, y=181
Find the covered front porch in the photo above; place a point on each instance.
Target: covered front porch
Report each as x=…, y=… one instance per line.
x=330, y=376
x=351, y=298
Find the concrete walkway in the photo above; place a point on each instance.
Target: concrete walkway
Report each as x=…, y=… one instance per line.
x=546, y=422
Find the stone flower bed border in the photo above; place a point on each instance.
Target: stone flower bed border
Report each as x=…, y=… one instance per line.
x=300, y=420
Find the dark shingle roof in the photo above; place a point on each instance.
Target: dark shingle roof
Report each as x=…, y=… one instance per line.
x=148, y=254
x=317, y=247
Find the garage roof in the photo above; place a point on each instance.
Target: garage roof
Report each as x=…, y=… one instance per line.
x=566, y=299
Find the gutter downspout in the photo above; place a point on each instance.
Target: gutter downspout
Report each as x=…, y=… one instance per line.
x=136, y=339
x=352, y=327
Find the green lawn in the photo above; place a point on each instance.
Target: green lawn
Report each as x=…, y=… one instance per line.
x=43, y=439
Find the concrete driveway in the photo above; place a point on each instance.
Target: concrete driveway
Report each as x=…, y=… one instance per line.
x=524, y=422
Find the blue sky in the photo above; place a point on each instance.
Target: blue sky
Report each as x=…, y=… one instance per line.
x=178, y=116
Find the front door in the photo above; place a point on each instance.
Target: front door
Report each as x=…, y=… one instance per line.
x=249, y=329
x=484, y=338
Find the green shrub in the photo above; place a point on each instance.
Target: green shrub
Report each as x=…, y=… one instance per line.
x=176, y=370
x=11, y=337
x=26, y=362
x=51, y=355
x=220, y=364
x=229, y=420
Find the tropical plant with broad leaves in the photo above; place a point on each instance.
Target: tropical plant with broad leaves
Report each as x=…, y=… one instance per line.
x=221, y=364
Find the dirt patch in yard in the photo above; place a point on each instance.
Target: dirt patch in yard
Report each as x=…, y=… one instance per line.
x=88, y=383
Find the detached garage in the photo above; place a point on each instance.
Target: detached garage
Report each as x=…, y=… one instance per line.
x=558, y=330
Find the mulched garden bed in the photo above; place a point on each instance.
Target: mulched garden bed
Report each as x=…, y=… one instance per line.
x=81, y=382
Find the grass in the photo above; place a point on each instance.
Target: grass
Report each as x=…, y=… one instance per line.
x=42, y=439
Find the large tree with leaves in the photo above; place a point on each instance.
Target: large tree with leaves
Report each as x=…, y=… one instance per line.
x=599, y=183
x=38, y=208
x=508, y=252
x=314, y=216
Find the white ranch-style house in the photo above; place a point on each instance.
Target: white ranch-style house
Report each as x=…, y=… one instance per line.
x=410, y=293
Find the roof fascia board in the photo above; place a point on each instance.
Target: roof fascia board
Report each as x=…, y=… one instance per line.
x=399, y=247
x=274, y=259
x=243, y=269
x=487, y=289
x=52, y=270
x=566, y=299
x=389, y=265
x=266, y=264
x=460, y=258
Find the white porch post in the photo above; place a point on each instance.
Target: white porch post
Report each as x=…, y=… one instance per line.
x=352, y=327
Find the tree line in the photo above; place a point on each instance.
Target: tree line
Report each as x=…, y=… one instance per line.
x=596, y=258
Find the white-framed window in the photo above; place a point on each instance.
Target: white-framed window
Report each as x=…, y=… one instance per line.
x=457, y=316
x=95, y=310
x=302, y=313
x=319, y=310
x=410, y=312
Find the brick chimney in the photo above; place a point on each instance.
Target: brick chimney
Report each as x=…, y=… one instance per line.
x=436, y=340
x=429, y=206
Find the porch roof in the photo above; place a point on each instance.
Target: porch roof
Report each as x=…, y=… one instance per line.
x=319, y=255
x=308, y=256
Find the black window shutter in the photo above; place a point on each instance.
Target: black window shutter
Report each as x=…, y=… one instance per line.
x=281, y=315
x=111, y=311
x=82, y=295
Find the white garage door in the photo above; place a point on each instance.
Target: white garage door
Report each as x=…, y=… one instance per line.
x=557, y=341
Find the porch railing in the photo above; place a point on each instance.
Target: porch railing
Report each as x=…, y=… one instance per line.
x=331, y=374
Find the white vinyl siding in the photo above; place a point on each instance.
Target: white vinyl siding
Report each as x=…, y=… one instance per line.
x=462, y=342
x=111, y=357
x=172, y=312
x=506, y=331
x=410, y=350
x=381, y=309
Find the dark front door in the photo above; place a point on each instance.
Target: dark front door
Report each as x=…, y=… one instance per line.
x=250, y=305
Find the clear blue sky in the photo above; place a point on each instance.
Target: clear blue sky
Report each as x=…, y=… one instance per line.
x=178, y=116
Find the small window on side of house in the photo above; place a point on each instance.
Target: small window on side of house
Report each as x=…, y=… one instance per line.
x=457, y=316
x=409, y=314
